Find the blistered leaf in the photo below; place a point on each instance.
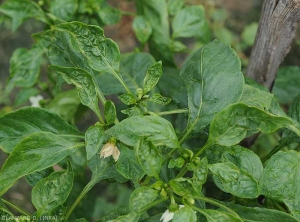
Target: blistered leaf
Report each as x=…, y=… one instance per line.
x=110, y=112
x=133, y=111
x=157, y=98
x=214, y=80
x=36, y=152
x=183, y=187
x=21, y=10
x=141, y=198
x=229, y=178
x=177, y=46
x=128, y=165
x=64, y=10
x=25, y=67
x=190, y=22
x=156, y=129
x=185, y=214
x=255, y=97
x=149, y=158
x=84, y=83
x=200, y=174
x=95, y=139
x=142, y=28
x=131, y=217
x=219, y=216
x=127, y=99
x=286, y=85
x=35, y=177
x=152, y=76
x=238, y=121
x=17, y=125
x=52, y=191
x=174, y=6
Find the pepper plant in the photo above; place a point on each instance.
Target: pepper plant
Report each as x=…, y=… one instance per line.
x=172, y=133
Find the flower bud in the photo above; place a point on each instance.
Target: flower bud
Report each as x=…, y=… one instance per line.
x=110, y=149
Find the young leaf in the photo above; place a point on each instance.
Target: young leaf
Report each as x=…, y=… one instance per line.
x=219, y=216
x=257, y=214
x=183, y=187
x=208, y=74
x=253, y=96
x=64, y=10
x=110, y=112
x=229, y=178
x=127, y=99
x=190, y=22
x=157, y=98
x=156, y=129
x=238, y=121
x=25, y=67
x=141, y=198
x=280, y=178
x=109, y=15
x=36, y=152
x=185, y=214
x=133, y=111
x=128, y=165
x=149, y=158
x=152, y=76
x=94, y=139
x=21, y=10
x=52, y=191
x=200, y=174
x=142, y=28
x=84, y=83
x=174, y=6
x=17, y=125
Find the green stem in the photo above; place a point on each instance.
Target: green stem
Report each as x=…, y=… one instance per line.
x=173, y=112
x=154, y=204
x=213, y=202
x=118, y=77
x=86, y=189
x=15, y=207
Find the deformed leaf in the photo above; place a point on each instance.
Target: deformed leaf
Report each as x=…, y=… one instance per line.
x=25, y=67
x=238, y=121
x=94, y=139
x=141, y=198
x=152, y=76
x=185, y=214
x=84, y=83
x=183, y=187
x=229, y=178
x=35, y=177
x=208, y=74
x=157, y=98
x=142, y=28
x=110, y=112
x=64, y=10
x=133, y=111
x=52, y=191
x=17, y=125
x=127, y=99
x=131, y=217
x=154, y=128
x=36, y=152
x=219, y=216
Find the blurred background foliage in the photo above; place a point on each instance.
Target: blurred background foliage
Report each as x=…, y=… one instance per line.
x=232, y=21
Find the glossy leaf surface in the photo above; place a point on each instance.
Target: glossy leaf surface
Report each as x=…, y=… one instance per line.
x=141, y=198
x=94, y=139
x=110, y=112
x=219, y=216
x=185, y=214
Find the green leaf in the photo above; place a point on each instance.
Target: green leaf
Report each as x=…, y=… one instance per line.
x=208, y=74
x=94, y=139
x=141, y=28
x=128, y=165
x=65, y=104
x=190, y=22
x=200, y=174
x=218, y=216
x=286, y=85
x=174, y=6
x=5, y=214
x=154, y=128
x=24, y=94
x=127, y=99
x=109, y=15
x=280, y=178
x=17, y=125
x=35, y=177
x=25, y=67
x=21, y=10
x=84, y=83
x=253, y=96
x=238, y=121
x=183, y=187
x=177, y=46
x=152, y=76
x=133, y=111
x=141, y=198
x=102, y=54
x=157, y=98
x=185, y=214
x=110, y=112
x=229, y=178
x=249, y=33
x=256, y=214
x=64, y=10
x=149, y=158
x=52, y=191
x=131, y=217
x=36, y=152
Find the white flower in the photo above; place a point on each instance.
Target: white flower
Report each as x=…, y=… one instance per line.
x=167, y=215
x=110, y=149
x=35, y=100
